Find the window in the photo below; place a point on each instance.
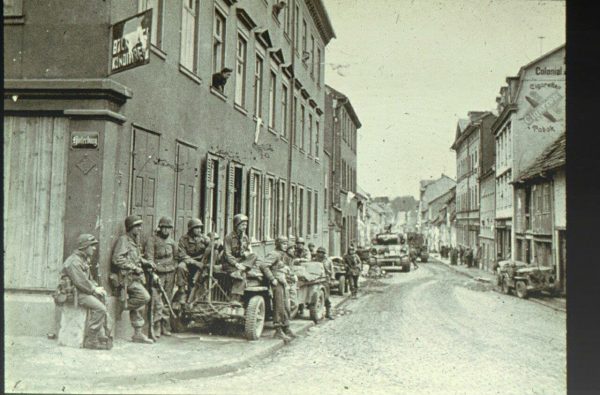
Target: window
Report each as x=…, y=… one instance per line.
x=312, y=56
x=157, y=7
x=304, y=43
x=188, y=35
x=308, y=212
x=302, y=125
x=295, y=121
x=272, y=99
x=254, y=199
x=325, y=194
x=294, y=208
x=310, y=134
x=318, y=65
x=317, y=139
x=297, y=28
x=258, y=73
x=286, y=20
x=316, y=221
x=284, y=109
x=218, y=42
x=269, y=212
x=301, y=212
x=240, y=72
x=281, y=208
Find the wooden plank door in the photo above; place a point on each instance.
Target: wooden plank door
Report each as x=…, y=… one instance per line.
x=187, y=183
x=145, y=177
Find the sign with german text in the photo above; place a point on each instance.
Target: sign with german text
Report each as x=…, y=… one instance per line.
x=84, y=139
x=130, y=45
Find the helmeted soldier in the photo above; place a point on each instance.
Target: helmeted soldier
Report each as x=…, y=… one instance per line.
x=89, y=294
x=353, y=266
x=276, y=269
x=127, y=259
x=192, y=248
x=161, y=250
x=321, y=256
x=301, y=250
x=237, y=256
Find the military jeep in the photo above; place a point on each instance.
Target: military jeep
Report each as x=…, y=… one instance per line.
x=312, y=289
x=525, y=279
x=206, y=307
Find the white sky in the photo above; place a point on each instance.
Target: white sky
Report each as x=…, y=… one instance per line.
x=415, y=67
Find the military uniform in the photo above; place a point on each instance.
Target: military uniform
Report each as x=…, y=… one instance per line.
x=237, y=250
x=77, y=268
x=303, y=253
x=191, y=256
x=275, y=267
x=330, y=275
x=353, y=268
x=126, y=258
x=162, y=252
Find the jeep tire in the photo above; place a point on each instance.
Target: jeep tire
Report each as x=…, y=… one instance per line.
x=254, y=318
x=521, y=289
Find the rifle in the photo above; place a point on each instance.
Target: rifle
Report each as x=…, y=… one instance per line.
x=164, y=293
x=151, y=334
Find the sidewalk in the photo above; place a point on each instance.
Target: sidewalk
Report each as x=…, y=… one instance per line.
x=36, y=364
x=559, y=304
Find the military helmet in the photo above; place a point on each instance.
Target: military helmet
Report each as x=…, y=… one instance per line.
x=322, y=250
x=311, y=245
x=194, y=223
x=299, y=240
x=280, y=240
x=132, y=221
x=85, y=240
x=165, y=222
x=238, y=219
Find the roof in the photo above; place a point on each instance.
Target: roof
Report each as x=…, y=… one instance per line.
x=339, y=95
x=534, y=61
x=321, y=18
x=465, y=126
x=554, y=156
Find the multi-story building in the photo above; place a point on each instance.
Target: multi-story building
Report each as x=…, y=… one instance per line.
x=487, y=217
x=438, y=234
x=341, y=126
x=431, y=190
x=473, y=138
x=85, y=147
x=540, y=217
x=531, y=116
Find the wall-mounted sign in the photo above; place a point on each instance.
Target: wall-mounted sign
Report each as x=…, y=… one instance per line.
x=130, y=46
x=84, y=139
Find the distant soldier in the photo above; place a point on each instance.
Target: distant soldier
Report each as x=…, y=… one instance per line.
x=237, y=256
x=312, y=249
x=301, y=250
x=191, y=250
x=276, y=269
x=453, y=256
x=469, y=256
x=374, y=268
x=127, y=259
x=321, y=256
x=353, y=269
x=89, y=294
x=161, y=250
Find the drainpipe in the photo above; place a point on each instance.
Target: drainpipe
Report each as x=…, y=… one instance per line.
x=293, y=121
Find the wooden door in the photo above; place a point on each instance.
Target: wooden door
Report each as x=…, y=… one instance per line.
x=187, y=183
x=145, y=177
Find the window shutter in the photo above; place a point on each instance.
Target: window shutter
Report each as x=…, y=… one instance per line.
x=230, y=197
x=209, y=186
x=251, y=202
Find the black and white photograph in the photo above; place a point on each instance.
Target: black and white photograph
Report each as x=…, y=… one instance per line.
x=285, y=197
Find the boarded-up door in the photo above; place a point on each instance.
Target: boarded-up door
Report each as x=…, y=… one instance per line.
x=187, y=179
x=145, y=177
x=34, y=200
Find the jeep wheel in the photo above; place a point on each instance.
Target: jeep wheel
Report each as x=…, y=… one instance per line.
x=521, y=289
x=254, y=318
x=177, y=324
x=342, y=285
x=505, y=287
x=317, y=307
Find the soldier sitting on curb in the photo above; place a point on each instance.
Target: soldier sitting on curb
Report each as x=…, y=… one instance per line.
x=127, y=260
x=89, y=295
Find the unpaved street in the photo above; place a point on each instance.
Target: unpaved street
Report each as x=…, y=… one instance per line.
x=429, y=331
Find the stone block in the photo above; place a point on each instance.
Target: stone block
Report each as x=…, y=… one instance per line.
x=71, y=332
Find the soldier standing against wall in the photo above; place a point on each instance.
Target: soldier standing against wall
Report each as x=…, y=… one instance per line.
x=161, y=250
x=238, y=256
x=322, y=257
x=275, y=268
x=127, y=259
x=89, y=295
x=190, y=253
x=353, y=269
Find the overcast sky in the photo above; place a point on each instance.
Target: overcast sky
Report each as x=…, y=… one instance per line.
x=412, y=68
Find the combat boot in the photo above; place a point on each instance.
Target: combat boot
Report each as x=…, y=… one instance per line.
x=328, y=313
x=157, y=329
x=281, y=335
x=165, y=329
x=92, y=343
x=288, y=332
x=139, y=337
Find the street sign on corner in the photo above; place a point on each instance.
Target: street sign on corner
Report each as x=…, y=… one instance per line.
x=130, y=46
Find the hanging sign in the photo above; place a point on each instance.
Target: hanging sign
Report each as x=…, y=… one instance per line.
x=130, y=46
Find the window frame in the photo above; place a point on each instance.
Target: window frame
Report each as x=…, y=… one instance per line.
x=272, y=98
x=258, y=83
x=183, y=59
x=219, y=44
x=284, y=108
x=241, y=62
x=156, y=36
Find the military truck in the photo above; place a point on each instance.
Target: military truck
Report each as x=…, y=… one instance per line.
x=417, y=245
x=392, y=252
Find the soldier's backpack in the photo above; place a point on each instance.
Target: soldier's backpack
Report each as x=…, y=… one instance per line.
x=65, y=291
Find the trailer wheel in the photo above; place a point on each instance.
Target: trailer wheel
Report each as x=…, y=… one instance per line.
x=342, y=285
x=254, y=318
x=505, y=287
x=521, y=289
x=317, y=307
